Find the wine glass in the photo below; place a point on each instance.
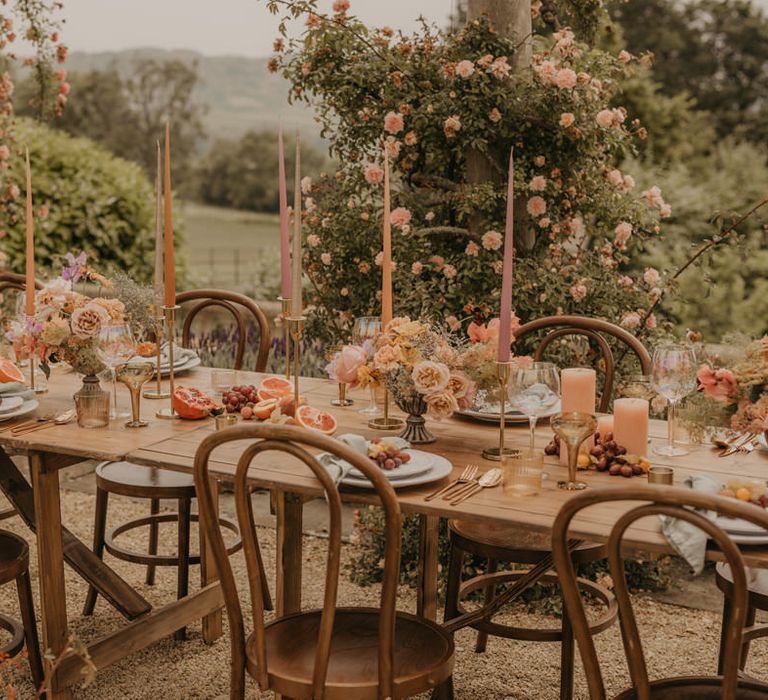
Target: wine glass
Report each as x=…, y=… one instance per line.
x=115, y=345
x=534, y=391
x=573, y=428
x=364, y=333
x=134, y=375
x=673, y=376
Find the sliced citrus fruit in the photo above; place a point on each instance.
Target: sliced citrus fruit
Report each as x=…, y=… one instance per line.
x=263, y=409
x=274, y=388
x=9, y=372
x=315, y=419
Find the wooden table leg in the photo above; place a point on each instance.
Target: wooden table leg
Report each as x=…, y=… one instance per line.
x=289, y=511
x=50, y=561
x=212, y=628
x=426, y=603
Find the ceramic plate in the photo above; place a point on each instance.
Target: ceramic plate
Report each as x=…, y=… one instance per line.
x=10, y=403
x=440, y=468
x=189, y=364
x=419, y=463
x=761, y=442
x=511, y=416
x=737, y=526
x=23, y=410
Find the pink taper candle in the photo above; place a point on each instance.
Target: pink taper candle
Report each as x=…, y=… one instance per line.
x=386, y=260
x=285, y=246
x=631, y=425
x=170, y=266
x=578, y=389
x=505, y=316
x=29, y=294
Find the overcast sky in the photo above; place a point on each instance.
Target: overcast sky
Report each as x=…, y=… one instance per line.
x=241, y=27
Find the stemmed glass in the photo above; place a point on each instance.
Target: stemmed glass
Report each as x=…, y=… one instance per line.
x=673, y=376
x=115, y=346
x=134, y=375
x=534, y=391
x=573, y=428
x=365, y=331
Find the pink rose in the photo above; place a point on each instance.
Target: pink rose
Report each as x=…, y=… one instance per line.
x=5, y=152
x=453, y=323
x=630, y=320
x=718, y=384
x=494, y=115
x=393, y=122
x=306, y=185
x=449, y=271
x=441, y=404
x=373, y=173
x=578, y=291
x=665, y=211
x=387, y=357
x=464, y=69
x=325, y=258
x=410, y=138
x=472, y=249
x=615, y=178
x=565, y=78
x=416, y=268
x=623, y=232
x=340, y=5
x=500, y=67
x=400, y=217
x=88, y=320
x=491, y=240
x=451, y=125
x=477, y=332
x=349, y=359
x=625, y=56
x=536, y=206
x=650, y=322
x=392, y=146
x=653, y=197
x=538, y=184
x=566, y=119
x=313, y=240
x=651, y=277
x=611, y=118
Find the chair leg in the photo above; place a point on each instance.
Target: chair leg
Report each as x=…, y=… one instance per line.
x=99, y=529
x=727, y=614
x=566, y=658
x=182, y=586
x=444, y=691
x=748, y=622
x=154, y=509
x=455, y=566
x=490, y=593
x=27, y=606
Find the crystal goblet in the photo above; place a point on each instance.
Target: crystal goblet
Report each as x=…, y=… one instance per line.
x=134, y=375
x=573, y=428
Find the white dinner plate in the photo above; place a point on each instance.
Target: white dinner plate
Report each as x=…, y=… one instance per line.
x=23, y=410
x=749, y=539
x=738, y=526
x=10, y=403
x=511, y=416
x=440, y=468
x=419, y=463
x=188, y=364
x=761, y=442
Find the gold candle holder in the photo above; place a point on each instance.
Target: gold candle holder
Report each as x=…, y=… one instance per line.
x=170, y=321
x=225, y=420
x=342, y=400
x=33, y=370
x=500, y=453
x=386, y=422
x=158, y=392
x=661, y=475
x=286, y=315
x=296, y=326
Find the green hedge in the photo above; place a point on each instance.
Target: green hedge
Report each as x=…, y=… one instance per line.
x=96, y=202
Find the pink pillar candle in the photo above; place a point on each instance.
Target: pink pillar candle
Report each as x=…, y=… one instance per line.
x=505, y=314
x=285, y=246
x=578, y=389
x=604, y=425
x=631, y=425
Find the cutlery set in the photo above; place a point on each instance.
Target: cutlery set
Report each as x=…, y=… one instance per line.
x=46, y=421
x=467, y=485
x=743, y=443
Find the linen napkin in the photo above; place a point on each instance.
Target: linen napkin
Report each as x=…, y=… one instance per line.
x=180, y=355
x=18, y=389
x=686, y=539
x=338, y=468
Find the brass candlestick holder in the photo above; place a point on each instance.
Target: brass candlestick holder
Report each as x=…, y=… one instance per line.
x=500, y=453
x=33, y=370
x=342, y=401
x=170, y=321
x=296, y=326
x=158, y=392
x=286, y=315
x=386, y=422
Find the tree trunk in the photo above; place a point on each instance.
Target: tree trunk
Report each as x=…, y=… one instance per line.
x=510, y=18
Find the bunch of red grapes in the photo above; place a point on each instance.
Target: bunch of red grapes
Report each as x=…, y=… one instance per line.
x=240, y=397
x=387, y=455
x=607, y=456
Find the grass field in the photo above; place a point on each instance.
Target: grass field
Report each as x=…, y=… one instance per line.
x=232, y=249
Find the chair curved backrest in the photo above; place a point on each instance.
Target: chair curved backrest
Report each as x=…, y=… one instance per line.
x=659, y=500
x=236, y=304
x=594, y=329
x=16, y=282
x=294, y=441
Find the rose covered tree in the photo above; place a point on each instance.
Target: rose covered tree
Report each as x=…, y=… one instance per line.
x=435, y=100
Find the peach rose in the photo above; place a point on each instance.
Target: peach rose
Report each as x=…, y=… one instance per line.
x=623, y=232
x=605, y=118
x=538, y=183
x=566, y=119
x=400, y=217
x=430, y=377
x=464, y=69
x=565, y=78
x=441, y=404
x=451, y=125
x=393, y=122
x=718, y=384
x=536, y=206
x=373, y=174
x=88, y=320
x=387, y=357
x=491, y=240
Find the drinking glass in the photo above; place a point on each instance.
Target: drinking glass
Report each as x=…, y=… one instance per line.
x=673, y=376
x=222, y=380
x=366, y=330
x=573, y=429
x=534, y=391
x=115, y=346
x=134, y=375
x=523, y=473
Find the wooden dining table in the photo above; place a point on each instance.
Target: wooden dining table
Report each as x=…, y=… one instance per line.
x=171, y=444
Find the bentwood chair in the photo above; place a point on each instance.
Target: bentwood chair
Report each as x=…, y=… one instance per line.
x=136, y=481
x=512, y=545
x=14, y=566
x=676, y=503
x=333, y=653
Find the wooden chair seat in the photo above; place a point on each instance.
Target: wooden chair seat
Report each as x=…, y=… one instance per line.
x=137, y=481
x=509, y=543
x=757, y=584
x=423, y=654
x=14, y=556
x=697, y=689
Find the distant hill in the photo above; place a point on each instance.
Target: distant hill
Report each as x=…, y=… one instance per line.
x=239, y=92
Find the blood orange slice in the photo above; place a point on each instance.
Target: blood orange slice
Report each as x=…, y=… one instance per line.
x=274, y=388
x=9, y=372
x=314, y=419
x=264, y=409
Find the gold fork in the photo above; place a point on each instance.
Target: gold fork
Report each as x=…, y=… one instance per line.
x=469, y=474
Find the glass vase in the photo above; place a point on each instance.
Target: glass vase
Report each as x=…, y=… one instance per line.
x=91, y=403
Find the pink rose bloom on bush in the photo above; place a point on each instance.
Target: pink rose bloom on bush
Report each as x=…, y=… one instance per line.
x=416, y=268
x=453, y=323
x=652, y=277
x=451, y=125
x=630, y=320
x=565, y=78
x=578, y=291
x=491, y=240
x=313, y=240
x=623, y=232
x=5, y=152
x=718, y=384
x=538, y=184
x=494, y=115
x=410, y=138
x=400, y=217
x=567, y=119
x=536, y=206
x=393, y=122
x=464, y=69
x=449, y=271
x=653, y=197
x=429, y=377
x=373, y=174
x=344, y=367
x=340, y=5
x=500, y=67
x=472, y=249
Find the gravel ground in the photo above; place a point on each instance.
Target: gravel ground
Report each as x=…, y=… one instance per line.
x=677, y=641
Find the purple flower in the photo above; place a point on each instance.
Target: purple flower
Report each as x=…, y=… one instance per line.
x=73, y=271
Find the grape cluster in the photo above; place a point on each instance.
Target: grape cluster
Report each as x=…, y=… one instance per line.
x=386, y=454
x=607, y=456
x=238, y=398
